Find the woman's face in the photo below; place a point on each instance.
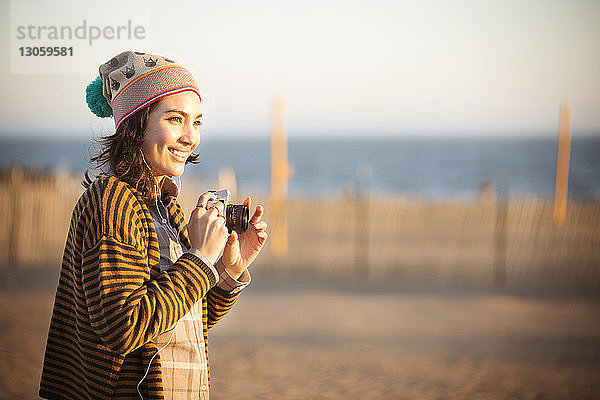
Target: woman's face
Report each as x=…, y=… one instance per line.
x=172, y=133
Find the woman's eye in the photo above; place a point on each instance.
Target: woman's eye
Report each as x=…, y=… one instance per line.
x=197, y=123
x=175, y=119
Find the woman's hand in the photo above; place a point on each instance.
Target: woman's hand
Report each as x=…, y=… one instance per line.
x=241, y=250
x=206, y=228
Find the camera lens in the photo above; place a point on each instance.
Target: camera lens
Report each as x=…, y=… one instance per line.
x=236, y=217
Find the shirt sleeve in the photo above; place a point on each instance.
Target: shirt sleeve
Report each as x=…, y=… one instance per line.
x=229, y=283
x=210, y=265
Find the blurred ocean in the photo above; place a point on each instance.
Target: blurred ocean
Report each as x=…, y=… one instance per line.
x=430, y=168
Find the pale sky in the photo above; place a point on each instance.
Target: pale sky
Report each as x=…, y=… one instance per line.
x=350, y=68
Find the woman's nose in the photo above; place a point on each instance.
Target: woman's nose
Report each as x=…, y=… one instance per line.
x=190, y=135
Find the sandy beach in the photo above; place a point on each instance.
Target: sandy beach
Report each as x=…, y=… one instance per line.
x=305, y=339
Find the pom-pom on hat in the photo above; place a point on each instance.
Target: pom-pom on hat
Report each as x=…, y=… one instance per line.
x=133, y=80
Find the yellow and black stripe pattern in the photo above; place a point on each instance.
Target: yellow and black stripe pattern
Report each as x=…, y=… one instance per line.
x=112, y=299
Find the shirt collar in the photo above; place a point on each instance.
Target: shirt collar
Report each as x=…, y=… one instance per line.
x=168, y=187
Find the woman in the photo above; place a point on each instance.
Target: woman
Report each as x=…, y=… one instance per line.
x=139, y=288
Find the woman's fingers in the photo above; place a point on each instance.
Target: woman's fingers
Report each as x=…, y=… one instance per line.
x=206, y=202
x=214, y=213
x=206, y=228
x=205, y=198
x=262, y=237
x=258, y=213
x=219, y=206
x=233, y=237
x=260, y=226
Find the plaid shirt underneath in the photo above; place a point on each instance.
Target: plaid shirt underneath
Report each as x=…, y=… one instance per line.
x=183, y=358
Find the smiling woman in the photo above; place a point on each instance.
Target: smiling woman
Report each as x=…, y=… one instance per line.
x=136, y=278
x=154, y=132
x=172, y=133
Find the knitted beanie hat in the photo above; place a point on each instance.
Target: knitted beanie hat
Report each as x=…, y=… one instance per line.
x=133, y=80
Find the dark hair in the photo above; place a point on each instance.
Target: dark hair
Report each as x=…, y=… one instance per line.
x=122, y=152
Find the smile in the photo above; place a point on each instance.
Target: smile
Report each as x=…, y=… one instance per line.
x=179, y=155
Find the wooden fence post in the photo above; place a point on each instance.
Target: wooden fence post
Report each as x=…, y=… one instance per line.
x=280, y=173
x=16, y=180
x=562, y=166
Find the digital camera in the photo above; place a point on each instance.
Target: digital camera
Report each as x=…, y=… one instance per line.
x=236, y=215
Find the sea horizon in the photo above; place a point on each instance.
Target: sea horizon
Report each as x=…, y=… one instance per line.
x=429, y=167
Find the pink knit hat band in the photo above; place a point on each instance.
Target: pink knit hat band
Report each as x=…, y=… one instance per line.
x=150, y=87
x=133, y=80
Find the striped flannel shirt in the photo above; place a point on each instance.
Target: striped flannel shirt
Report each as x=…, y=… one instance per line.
x=113, y=300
